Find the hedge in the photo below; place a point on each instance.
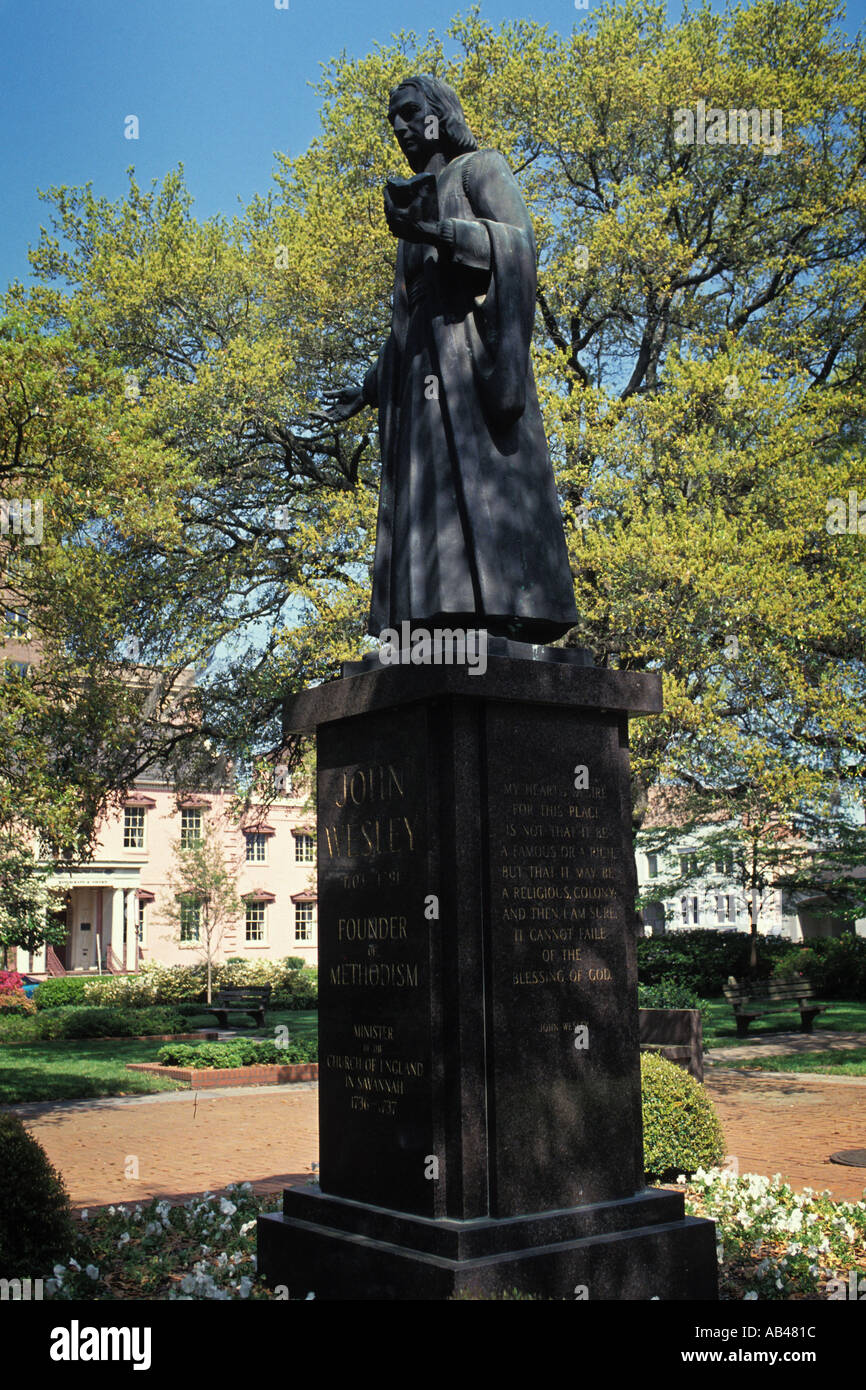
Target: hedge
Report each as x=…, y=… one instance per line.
x=702, y=960
x=72, y=1022
x=294, y=985
x=240, y=1052
x=68, y=989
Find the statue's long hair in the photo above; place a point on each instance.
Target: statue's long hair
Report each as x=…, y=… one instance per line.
x=443, y=101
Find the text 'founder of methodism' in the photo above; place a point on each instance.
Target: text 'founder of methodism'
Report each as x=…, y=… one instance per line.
x=469, y=529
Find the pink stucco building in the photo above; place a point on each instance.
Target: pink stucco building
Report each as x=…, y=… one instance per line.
x=116, y=905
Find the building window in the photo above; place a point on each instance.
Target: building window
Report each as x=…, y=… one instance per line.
x=140, y=924
x=190, y=920
x=691, y=912
x=725, y=865
x=133, y=827
x=190, y=828
x=18, y=669
x=303, y=921
x=17, y=625
x=255, y=922
x=688, y=866
x=305, y=849
x=257, y=848
x=652, y=865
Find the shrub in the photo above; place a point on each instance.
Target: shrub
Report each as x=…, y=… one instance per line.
x=681, y=1131
x=668, y=993
x=702, y=960
x=154, y=984
x=36, y=1226
x=78, y=1022
x=837, y=966
x=11, y=982
x=15, y=1004
x=240, y=1052
x=68, y=989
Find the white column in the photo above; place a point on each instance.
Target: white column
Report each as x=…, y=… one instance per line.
x=130, y=902
x=116, y=939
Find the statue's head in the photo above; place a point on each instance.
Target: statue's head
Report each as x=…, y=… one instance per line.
x=434, y=98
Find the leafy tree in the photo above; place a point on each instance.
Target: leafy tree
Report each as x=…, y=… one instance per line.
x=700, y=361
x=201, y=900
x=757, y=838
x=27, y=902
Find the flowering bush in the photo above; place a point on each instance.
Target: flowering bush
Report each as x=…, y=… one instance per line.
x=773, y=1243
x=16, y=1003
x=778, y=1243
x=11, y=982
x=201, y=1250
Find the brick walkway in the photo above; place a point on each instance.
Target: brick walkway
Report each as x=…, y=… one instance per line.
x=183, y=1143
x=790, y=1124
x=268, y=1136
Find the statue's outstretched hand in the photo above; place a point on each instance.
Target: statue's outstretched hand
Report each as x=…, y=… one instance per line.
x=342, y=404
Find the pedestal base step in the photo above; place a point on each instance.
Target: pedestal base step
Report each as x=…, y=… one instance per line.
x=633, y=1249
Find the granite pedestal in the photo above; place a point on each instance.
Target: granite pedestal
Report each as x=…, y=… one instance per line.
x=480, y=1112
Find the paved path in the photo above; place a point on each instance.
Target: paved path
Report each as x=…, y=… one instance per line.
x=186, y=1143
x=790, y=1124
x=181, y=1142
x=772, y=1044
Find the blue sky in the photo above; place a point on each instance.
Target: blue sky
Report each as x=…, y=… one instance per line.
x=218, y=85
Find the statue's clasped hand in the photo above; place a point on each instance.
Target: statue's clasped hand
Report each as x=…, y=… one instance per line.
x=403, y=224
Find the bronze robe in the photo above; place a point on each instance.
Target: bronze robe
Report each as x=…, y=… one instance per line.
x=469, y=530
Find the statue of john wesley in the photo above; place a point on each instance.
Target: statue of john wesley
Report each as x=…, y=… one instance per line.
x=469, y=530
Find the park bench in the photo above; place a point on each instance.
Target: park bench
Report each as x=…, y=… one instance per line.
x=251, y=999
x=753, y=999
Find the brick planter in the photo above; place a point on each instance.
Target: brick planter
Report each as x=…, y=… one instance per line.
x=203, y=1078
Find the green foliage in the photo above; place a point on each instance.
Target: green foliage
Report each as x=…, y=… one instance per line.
x=16, y=1003
x=702, y=960
x=70, y=1021
x=834, y=965
x=240, y=1052
x=35, y=1221
x=699, y=363
x=294, y=984
x=153, y=984
x=202, y=876
x=668, y=993
x=681, y=1131
x=71, y=989
x=26, y=900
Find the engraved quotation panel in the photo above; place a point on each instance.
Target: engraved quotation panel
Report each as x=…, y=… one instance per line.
x=564, y=1022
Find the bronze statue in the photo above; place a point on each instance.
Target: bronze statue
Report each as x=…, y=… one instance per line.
x=469, y=529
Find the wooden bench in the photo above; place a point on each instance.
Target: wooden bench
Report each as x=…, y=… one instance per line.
x=252, y=999
x=754, y=999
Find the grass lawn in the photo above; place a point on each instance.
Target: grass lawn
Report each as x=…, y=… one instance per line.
x=848, y=1062
x=841, y=1016
x=77, y=1069
x=85, y=1068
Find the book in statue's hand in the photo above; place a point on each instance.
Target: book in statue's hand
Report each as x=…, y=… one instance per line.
x=416, y=197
